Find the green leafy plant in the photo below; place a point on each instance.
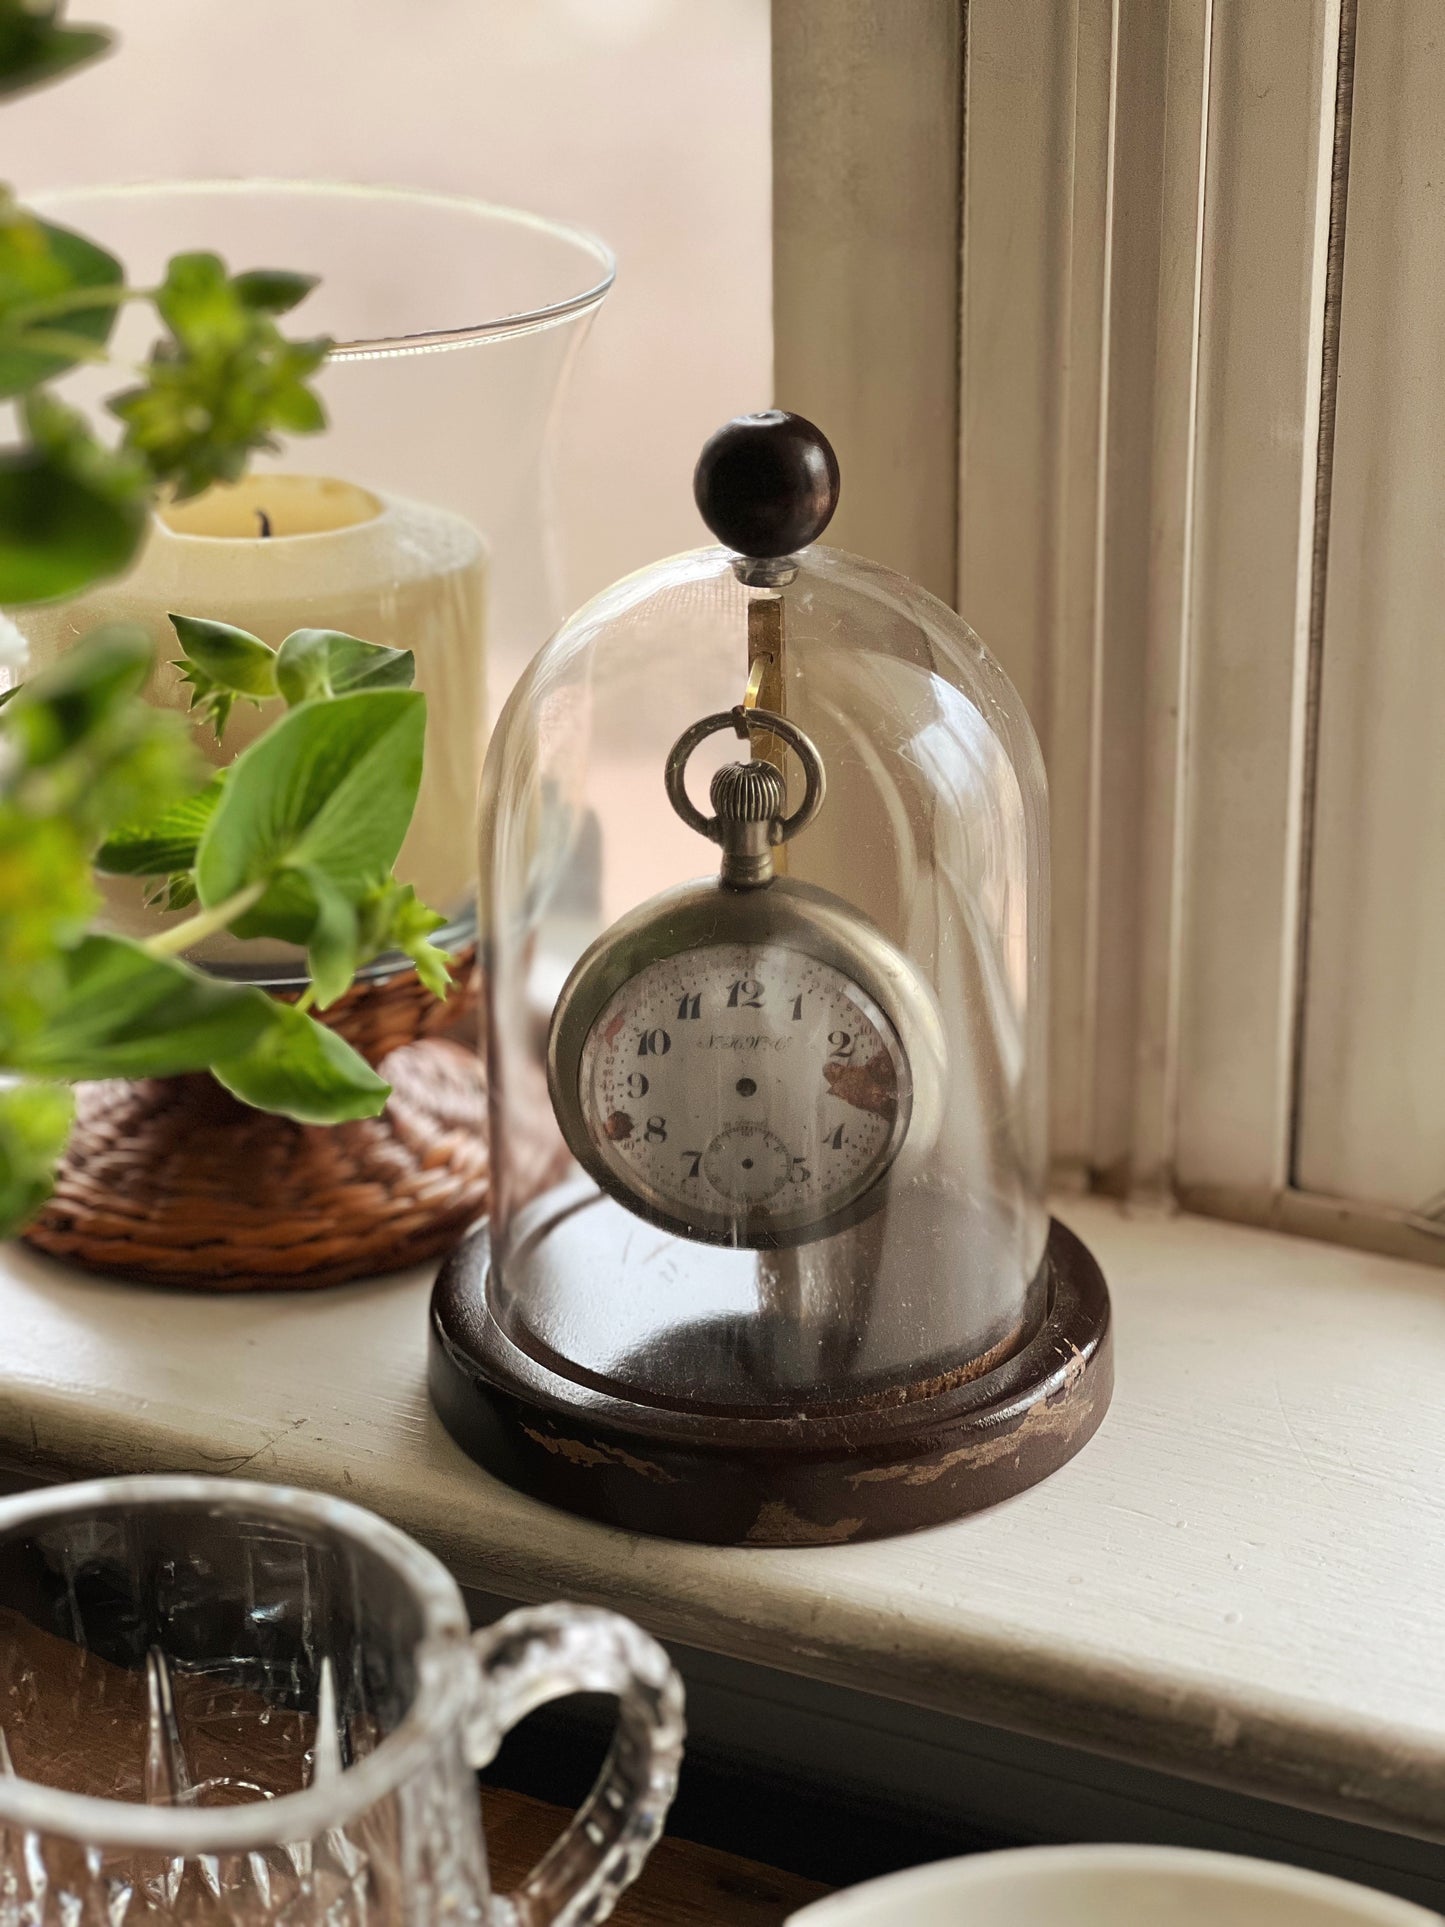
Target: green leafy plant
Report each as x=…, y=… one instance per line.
x=296, y=838
x=220, y=383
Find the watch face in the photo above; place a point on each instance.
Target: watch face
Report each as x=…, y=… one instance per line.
x=746, y=1093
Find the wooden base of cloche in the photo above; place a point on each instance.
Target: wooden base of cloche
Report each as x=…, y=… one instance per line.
x=926, y=1455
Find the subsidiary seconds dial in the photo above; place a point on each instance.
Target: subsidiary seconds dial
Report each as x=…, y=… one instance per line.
x=744, y=1092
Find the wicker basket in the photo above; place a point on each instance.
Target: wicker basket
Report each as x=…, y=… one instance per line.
x=172, y=1181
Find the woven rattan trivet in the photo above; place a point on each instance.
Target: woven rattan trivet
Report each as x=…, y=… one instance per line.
x=171, y=1181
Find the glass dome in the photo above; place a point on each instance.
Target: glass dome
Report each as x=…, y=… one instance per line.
x=929, y=852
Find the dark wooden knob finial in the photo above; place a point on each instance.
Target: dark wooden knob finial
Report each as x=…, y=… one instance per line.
x=767, y=484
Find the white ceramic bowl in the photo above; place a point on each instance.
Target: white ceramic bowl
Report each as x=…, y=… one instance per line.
x=1110, y=1887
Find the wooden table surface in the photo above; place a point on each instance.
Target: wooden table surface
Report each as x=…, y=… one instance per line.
x=682, y=1885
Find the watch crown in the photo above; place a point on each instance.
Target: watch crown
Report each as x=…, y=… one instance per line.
x=748, y=793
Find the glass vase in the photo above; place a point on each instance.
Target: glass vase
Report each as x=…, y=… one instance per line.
x=421, y=517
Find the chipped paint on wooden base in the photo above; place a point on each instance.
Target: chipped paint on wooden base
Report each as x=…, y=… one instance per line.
x=778, y=1525
x=581, y=1453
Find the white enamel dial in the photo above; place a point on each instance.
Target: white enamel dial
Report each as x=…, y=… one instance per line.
x=744, y=1091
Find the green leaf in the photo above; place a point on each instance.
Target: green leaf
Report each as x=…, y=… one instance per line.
x=198, y=303
x=72, y=511
x=34, y=1125
x=331, y=946
x=298, y=410
x=223, y=382
x=232, y=658
x=163, y=843
x=331, y=787
x=80, y=693
x=35, y=48
x=287, y=911
x=45, y=272
x=176, y=892
x=82, y=749
x=125, y=1013
x=47, y=896
x=433, y=966
x=222, y=663
x=273, y=290
x=315, y=663
x=393, y=919
x=305, y=1071
x=74, y=745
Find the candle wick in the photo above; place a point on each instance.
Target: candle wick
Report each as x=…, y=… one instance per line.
x=264, y=519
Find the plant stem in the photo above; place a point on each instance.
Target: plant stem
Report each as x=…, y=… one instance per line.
x=56, y=307
x=205, y=923
x=307, y=998
x=53, y=341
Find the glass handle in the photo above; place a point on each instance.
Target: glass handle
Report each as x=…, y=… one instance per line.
x=546, y=1653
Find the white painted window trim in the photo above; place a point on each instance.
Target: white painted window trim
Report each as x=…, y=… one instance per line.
x=1166, y=699
x=867, y=98
x=1145, y=195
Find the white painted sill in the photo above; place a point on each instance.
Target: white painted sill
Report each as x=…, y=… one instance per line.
x=1241, y=1579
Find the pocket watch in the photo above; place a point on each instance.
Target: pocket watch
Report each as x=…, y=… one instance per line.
x=747, y=1059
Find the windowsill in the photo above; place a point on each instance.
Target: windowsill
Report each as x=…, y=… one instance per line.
x=1239, y=1580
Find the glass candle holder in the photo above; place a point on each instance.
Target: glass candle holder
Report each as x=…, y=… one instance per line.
x=420, y=518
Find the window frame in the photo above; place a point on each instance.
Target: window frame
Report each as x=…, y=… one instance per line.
x=1150, y=201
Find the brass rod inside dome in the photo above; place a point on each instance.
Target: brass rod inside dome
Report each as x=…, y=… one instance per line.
x=765, y=667
x=765, y=680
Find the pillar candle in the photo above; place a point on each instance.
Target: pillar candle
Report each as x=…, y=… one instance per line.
x=275, y=553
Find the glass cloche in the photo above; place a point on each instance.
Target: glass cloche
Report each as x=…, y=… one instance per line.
x=765, y=933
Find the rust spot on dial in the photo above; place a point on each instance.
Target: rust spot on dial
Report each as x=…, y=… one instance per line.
x=618, y=1126
x=867, y=1087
